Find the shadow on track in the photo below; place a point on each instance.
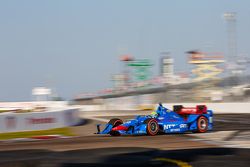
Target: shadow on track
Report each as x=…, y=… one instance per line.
x=126, y=157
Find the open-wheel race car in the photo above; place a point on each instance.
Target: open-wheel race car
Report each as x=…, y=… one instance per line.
x=179, y=120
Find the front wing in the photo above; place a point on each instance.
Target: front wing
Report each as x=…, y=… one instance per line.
x=132, y=130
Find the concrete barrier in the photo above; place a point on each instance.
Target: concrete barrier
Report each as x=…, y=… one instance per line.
x=218, y=108
x=15, y=122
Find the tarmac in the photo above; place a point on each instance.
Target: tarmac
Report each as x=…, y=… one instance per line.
x=226, y=145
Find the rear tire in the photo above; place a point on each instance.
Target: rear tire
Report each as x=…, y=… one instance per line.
x=152, y=126
x=115, y=122
x=202, y=124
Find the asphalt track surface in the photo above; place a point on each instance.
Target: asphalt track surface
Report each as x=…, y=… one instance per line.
x=104, y=150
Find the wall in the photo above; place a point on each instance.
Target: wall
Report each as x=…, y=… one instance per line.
x=218, y=108
x=123, y=104
x=14, y=122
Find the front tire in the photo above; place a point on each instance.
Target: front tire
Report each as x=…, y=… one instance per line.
x=152, y=126
x=115, y=122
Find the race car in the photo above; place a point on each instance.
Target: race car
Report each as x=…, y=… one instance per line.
x=179, y=120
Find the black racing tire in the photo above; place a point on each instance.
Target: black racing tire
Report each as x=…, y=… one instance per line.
x=152, y=126
x=115, y=122
x=202, y=124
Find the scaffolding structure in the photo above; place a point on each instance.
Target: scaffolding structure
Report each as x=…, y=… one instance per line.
x=206, y=73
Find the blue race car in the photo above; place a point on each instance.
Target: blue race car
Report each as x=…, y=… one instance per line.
x=180, y=120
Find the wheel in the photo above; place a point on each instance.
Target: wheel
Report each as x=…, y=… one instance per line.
x=152, y=126
x=202, y=124
x=115, y=122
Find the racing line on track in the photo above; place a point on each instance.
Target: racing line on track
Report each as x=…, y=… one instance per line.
x=177, y=162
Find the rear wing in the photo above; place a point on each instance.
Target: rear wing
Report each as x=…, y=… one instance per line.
x=199, y=109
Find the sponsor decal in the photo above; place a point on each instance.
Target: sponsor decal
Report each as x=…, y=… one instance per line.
x=169, y=126
x=47, y=120
x=175, y=130
x=140, y=131
x=10, y=122
x=183, y=125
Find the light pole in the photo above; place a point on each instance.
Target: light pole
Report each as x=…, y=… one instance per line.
x=230, y=18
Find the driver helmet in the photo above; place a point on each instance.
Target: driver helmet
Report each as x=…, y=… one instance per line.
x=154, y=114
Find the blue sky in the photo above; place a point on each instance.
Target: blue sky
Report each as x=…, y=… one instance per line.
x=74, y=46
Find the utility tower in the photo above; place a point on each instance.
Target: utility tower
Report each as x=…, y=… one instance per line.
x=230, y=18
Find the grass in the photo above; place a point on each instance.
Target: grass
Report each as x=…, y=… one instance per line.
x=58, y=131
x=16, y=111
x=2, y=111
